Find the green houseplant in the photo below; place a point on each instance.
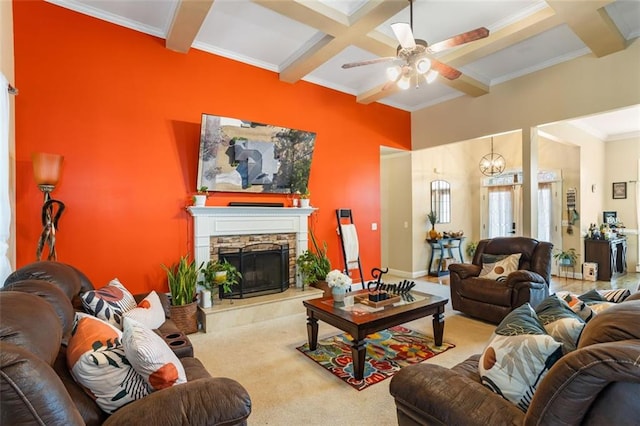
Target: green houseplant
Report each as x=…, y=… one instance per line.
x=304, y=198
x=200, y=199
x=433, y=218
x=183, y=279
x=471, y=249
x=220, y=273
x=566, y=257
x=314, y=265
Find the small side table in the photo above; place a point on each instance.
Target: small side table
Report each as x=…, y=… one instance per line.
x=444, y=245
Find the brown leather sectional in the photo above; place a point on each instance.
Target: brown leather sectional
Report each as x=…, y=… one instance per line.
x=597, y=384
x=36, y=317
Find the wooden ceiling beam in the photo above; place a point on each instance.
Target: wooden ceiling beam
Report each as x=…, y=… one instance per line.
x=187, y=20
x=591, y=22
x=530, y=26
x=340, y=30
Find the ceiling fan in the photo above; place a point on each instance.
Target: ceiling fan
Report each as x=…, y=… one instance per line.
x=414, y=56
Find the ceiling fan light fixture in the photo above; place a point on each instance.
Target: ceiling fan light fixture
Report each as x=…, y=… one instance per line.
x=423, y=65
x=431, y=76
x=404, y=83
x=394, y=73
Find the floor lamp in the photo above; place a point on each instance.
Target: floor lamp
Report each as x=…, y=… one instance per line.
x=46, y=171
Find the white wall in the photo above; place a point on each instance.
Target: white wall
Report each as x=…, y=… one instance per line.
x=582, y=86
x=580, y=157
x=7, y=68
x=622, y=159
x=396, y=199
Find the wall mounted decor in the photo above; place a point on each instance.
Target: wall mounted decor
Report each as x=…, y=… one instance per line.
x=619, y=190
x=609, y=218
x=246, y=156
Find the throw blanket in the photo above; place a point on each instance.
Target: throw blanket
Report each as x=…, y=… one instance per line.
x=350, y=242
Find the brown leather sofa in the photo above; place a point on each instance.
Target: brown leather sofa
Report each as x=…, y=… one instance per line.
x=597, y=384
x=36, y=317
x=492, y=300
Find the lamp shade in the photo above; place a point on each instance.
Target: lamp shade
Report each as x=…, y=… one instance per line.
x=46, y=168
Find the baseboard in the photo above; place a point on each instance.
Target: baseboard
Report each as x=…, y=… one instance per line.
x=406, y=274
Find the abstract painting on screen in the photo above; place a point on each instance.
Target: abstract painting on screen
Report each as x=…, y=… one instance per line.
x=247, y=156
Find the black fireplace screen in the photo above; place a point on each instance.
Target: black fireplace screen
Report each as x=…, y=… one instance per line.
x=264, y=268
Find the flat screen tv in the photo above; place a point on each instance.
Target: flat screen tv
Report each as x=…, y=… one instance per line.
x=246, y=156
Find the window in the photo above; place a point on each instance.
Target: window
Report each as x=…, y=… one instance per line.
x=441, y=200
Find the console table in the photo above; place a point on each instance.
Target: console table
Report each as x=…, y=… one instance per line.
x=610, y=255
x=442, y=244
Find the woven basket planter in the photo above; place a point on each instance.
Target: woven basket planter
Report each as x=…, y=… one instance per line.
x=185, y=317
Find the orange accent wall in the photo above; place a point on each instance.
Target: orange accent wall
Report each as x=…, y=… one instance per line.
x=125, y=112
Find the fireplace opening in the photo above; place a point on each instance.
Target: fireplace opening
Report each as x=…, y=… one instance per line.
x=264, y=268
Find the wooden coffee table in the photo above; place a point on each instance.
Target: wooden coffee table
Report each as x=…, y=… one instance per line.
x=360, y=320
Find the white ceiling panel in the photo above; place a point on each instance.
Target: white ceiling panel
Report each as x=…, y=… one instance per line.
x=626, y=15
x=148, y=16
x=347, y=7
x=437, y=20
x=272, y=36
x=244, y=30
x=549, y=48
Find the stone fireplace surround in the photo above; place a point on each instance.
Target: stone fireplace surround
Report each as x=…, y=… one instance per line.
x=213, y=225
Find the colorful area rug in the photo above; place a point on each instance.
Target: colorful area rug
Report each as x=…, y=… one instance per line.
x=387, y=352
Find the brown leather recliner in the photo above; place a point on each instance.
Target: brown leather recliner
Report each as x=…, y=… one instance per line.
x=596, y=384
x=36, y=386
x=492, y=300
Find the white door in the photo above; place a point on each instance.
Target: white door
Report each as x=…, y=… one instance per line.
x=501, y=212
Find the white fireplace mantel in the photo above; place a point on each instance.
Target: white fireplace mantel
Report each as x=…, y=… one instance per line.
x=220, y=221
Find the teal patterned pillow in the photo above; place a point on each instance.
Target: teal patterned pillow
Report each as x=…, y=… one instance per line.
x=592, y=296
x=560, y=322
x=518, y=356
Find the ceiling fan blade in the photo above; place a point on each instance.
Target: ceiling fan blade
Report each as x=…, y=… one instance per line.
x=369, y=62
x=403, y=33
x=445, y=70
x=463, y=38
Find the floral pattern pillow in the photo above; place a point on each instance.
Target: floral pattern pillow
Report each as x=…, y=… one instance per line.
x=97, y=361
x=109, y=302
x=560, y=322
x=518, y=356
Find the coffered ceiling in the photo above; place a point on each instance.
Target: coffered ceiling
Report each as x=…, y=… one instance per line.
x=310, y=39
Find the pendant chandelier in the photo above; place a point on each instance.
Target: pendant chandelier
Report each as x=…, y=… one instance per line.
x=492, y=164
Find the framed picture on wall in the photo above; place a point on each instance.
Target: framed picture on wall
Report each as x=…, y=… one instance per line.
x=619, y=190
x=609, y=217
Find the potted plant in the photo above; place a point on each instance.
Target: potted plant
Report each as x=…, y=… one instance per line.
x=304, y=198
x=566, y=257
x=220, y=273
x=183, y=279
x=471, y=249
x=433, y=218
x=200, y=199
x=314, y=265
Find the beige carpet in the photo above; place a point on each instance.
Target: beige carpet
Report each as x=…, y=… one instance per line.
x=287, y=388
